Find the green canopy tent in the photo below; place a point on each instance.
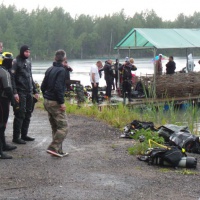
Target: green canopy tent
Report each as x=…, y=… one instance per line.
x=148, y=38
x=141, y=38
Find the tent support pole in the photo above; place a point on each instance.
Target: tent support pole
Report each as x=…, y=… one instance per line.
x=154, y=77
x=186, y=52
x=118, y=81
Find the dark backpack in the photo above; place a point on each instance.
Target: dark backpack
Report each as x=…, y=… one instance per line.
x=143, y=125
x=161, y=156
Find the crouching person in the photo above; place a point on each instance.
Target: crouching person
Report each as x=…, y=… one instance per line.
x=53, y=90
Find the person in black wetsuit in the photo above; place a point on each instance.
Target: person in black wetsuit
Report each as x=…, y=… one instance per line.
x=68, y=71
x=115, y=82
x=126, y=69
x=108, y=77
x=23, y=89
x=6, y=97
x=170, y=66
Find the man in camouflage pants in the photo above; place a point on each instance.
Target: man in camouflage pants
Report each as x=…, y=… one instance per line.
x=53, y=90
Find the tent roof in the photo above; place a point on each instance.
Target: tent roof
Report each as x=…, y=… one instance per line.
x=141, y=38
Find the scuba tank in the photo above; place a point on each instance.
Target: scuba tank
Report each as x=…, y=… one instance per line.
x=188, y=162
x=173, y=157
x=185, y=162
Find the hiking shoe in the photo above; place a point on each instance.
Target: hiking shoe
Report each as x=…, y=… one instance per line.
x=54, y=152
x=18, y=141
x=27, y=138
x=8, y=147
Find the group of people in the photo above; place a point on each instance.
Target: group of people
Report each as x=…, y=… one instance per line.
x=111, y=77
x=18, y=89
x=170, y=66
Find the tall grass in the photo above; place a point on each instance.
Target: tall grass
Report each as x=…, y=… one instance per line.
x=120, y=115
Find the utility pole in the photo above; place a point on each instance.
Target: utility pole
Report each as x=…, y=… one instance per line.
x=110, y=42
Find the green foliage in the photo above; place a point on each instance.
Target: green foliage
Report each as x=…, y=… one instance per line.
x=119, y=116
x=149, y=134
x=83, y=37
x=141, y=147
x=138, y=148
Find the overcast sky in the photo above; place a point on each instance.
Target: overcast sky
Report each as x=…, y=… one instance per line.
x=166, y=9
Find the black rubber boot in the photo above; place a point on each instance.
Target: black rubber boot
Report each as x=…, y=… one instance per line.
x=18, y=141
x=5, y=146
x=3, y=155
x=27, y=138
x=8, y=147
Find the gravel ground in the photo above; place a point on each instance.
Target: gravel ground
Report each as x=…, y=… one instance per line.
x=98, y=167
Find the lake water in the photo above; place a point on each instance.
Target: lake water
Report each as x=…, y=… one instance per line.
x=81, y=68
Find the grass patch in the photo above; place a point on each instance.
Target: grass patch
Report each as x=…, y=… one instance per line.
x=187, y=172
x=165, y=170
x=140, y=147
x=119, y=116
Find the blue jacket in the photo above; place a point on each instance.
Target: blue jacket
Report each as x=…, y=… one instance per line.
x=54, y=83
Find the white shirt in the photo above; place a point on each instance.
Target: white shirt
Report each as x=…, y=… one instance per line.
x=94, y=70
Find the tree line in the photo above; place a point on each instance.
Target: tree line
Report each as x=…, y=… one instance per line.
x=83, y=36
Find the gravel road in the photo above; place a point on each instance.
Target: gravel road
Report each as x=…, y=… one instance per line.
x=98, y=167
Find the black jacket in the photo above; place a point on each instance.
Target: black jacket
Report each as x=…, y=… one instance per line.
x=170, y=67
x=68, y=70
x=5, y=85
x=21, y=76
x=107, y=72
x=126, y=70
x=117, y=66
x=54, y=83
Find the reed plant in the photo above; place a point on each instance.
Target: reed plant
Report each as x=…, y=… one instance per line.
x=120, y=115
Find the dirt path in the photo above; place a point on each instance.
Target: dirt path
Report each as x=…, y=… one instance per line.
x=98, y=167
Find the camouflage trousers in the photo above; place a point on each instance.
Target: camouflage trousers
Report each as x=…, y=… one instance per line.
x=59, y=125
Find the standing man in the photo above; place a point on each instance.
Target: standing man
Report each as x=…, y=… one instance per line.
x=159, y=65
x=116, y=65
x=6, y=96
x=23, y=88
x=170, y=66
x=126, y=69
x=68, y=70
x=108, y=77
x=94, y=79
x=53, y=90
